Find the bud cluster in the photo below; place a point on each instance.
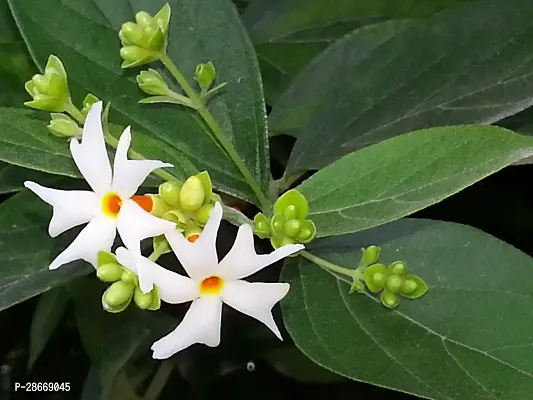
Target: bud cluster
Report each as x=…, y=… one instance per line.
x=124, y=286
x=288, y=225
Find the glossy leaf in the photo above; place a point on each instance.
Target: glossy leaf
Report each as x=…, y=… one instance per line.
x=48, y=313
x=431, y=347
x=289, y=33
x=87, y=43
x=399, y=176
x=26, y=251
x=12, y=178
x=469, y=64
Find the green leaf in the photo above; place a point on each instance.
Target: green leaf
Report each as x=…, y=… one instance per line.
x=26, y=251
x=199, y=31
x=466, y=65
x=12, y=178
x=431, y=347
x=289, y=33
x=50, y=309
x=399, y=176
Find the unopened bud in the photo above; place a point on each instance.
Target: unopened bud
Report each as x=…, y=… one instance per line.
x=118, y=293
x=151, y=82
x=109, y=272
x=205, y=75
x=203, y=214
x=63, y=126
x=143, y=300
x=292, y=227
x=389, y=299
x=370, y=255
x=50, y=90
x=170, y=193
x=192, y=194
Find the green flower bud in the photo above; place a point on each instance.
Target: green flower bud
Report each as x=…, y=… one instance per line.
x=205, y=75
x=105, y=257
x=307, y=231
x=118, y=293
x=129, y=277
x=370, y=272
x=192, y=194
x=290, y=212
x=389, y=299
x=109, y=272
x=156, y=299
x=408, y=287
x=370, y=255
x=261, y=226
x=277, y=224
x=162, y=18
x=49, y=91
x=134, y=56
x=379, y=279
x=292, y=228
x=397, y=268
x=279, y=241
x=132, y=34
x=63, y=126
x=170, y=193
x=88, y=102
x=161, y=244
x=294, y=198
x=143, y=300
x=202, y=215
x=145, y=20
x=413, y=287
x=151, y=82
x=394, y=283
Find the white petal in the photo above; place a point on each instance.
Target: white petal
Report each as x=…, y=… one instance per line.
x=199, y=258
x=71, y=207
x=201, y=324
x=98, y=235
x=91, y=154
x=173, y=288
x=255, y=300
x=128, y=175
x=134, y=224
x=242, y=260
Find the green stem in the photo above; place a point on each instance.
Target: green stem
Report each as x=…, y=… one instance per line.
x=159, y=380
x=352, y=273
x=155, y=255
x=215, y=128
x=73, y=111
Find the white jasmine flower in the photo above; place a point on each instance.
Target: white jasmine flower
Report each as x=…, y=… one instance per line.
x=111, y=206
x=212, y=283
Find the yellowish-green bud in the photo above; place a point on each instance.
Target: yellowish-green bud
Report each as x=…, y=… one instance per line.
x=170, y=193
x=151, y=82
x=143, y=300
x=118, y=293
x=205, y=75
x=192, y=194
x=63, y=126
x=109, y=272
x=202, y=215
x=129, y=277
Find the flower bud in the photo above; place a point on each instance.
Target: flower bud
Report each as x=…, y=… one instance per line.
x=397, y=268
x=143, y=300
x=389, y=299
x=290, y=212
x=375, y=271
x=370, y=255
x=50, y=90
x=205, y=75
x=279, y=241
x=202, y=215
x=291, y=228
x=307, y=231
x=170, y=193
x=261, y=226
x=192, y=194
x=295, y=199
x=379, y=279
x=134, y=56
x=118, y=293
x=357, y=286
x=151, y=82
x=277, y=224
x=394, y=283
x=132, y=34
x=129, y=277
x=63, y=126
x=88, y=102
x=109, y=272
x=408, y=287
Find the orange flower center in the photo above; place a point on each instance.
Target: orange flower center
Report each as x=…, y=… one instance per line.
x=193, y=238
x=112, y=202
x=211, y=285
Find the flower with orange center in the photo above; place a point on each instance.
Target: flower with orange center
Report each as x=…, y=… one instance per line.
x=212, y=283
x=111, y=206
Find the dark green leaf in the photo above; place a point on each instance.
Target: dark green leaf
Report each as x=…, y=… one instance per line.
x=289, y=33
x=87, y=42
x=468, y=338
x=399, y=176
x=50, y=309
x=26, y=250
x=12, y=178
x=469, y=64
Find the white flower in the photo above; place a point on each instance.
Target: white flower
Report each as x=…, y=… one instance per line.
x=111, y=206
x=212, y=283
